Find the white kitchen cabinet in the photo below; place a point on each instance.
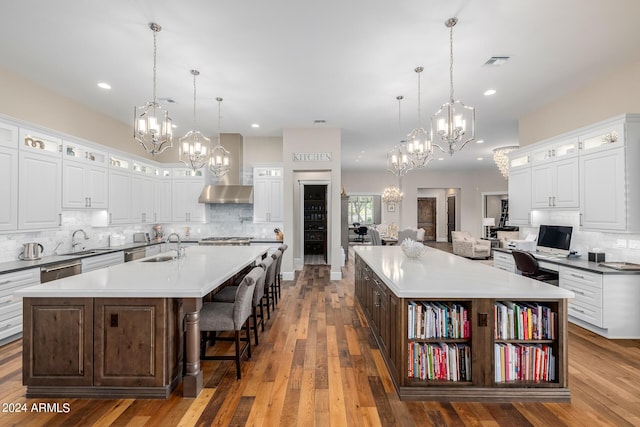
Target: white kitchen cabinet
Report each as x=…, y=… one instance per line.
x=142, y=198
x=10, y=305
x=504, y=261
x=39, y=142
x=185, y=206
x=555, y=184
x=603, y=136
x=603, y=190
x=119, y=191
x=85, y=178
x=8, y=189
x=8, y=135
x=520, y=196
x=39, y=191
x=102, y=261
x=268, y=187
x=162, y=198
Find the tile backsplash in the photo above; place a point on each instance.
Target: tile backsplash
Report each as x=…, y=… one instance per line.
x=224, y=220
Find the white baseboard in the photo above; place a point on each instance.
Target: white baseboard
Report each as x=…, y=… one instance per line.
x=441, y=240
x=288, y=275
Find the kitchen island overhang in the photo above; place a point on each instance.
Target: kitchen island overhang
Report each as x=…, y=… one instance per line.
x=390, y=287
x=77, y=329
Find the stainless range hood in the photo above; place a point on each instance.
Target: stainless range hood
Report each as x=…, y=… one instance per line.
x=229, y=190
x=226, y=194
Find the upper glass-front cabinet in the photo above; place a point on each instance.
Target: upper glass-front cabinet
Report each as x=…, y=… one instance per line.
x=119, y=163
x=519, y=159
x=555, y=151
x=264, y=172
x=41, y=142
x=605, y=138
x=8, y=135
x=74, y=151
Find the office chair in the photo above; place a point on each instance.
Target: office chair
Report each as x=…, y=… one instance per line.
x=361, y=232
x=529, y=267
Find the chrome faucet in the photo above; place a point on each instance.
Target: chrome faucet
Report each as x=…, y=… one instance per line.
x=55, y=251
x=73, y=239
x=179, y=248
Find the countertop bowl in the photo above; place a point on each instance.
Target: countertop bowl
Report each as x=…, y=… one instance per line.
x=412, y=249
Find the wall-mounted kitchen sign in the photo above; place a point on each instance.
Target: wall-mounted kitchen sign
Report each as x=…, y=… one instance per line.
x=311, y=157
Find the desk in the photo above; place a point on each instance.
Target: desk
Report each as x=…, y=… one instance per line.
x=389, y=241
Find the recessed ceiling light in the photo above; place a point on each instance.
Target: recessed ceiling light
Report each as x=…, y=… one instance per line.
x=479, y=158
x=480, y=141
x=174, y=126
x=103, y=85
x=440, y=158
x=255, y=125
x=489, y=92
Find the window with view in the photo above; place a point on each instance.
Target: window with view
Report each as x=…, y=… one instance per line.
x=361, y=209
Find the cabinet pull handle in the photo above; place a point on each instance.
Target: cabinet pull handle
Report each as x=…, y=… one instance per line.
x=576, y=275
x=579, y=311
x=6, y=302
x=59, y=219
x=576, y=291
x=549, y=201
x=579, y=145
x=4, y=282
x=554, y=200
x=90, y=201
x=110, y=218
x=580, y=218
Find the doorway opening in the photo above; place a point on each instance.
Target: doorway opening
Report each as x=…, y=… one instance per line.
x=427, y=217
x=451, y=216
x=315, y=230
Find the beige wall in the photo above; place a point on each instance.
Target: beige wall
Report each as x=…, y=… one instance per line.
x=613, y=94
x=311, y=140
x=260, y=150
x=25, y=100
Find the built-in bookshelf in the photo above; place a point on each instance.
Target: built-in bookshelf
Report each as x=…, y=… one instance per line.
x=474, y=349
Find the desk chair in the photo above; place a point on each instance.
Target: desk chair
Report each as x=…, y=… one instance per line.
x=361, y=232
x=529, y=267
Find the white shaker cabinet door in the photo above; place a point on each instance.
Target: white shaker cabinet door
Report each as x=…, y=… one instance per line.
x=39, y=198
x=602, y=190
x=119, y=197
x=520, y=197
x=8, y=189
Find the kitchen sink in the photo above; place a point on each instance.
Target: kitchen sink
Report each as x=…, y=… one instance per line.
x=160, y=258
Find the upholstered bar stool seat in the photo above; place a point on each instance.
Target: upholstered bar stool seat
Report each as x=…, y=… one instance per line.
x=282, y=248
x=230, y=317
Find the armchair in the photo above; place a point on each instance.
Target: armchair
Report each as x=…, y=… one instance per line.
x=467, y=246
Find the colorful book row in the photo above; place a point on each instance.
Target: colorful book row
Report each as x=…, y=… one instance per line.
x=439, y=361
x=524, y=362
x=428, y=320
x=523, y=321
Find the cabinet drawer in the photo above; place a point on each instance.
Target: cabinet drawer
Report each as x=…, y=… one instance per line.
x=587, y=313
x=11, y=309
x=10, y=326
x=585, y=293
x=19, y=279
x=585, y=278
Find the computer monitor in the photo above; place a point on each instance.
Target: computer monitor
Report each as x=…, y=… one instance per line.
x=554, y=239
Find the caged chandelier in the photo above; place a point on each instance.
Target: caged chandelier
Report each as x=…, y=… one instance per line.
x=419, y=146
x=219, y=160
x=397, y=160
x=454, y=119
x=152, y=126
x=194, y=145
x=502, y=160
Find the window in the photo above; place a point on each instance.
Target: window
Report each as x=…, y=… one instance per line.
x=363, y=209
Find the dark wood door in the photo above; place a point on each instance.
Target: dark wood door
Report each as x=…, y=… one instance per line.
x=427, y=217
x=451, y=216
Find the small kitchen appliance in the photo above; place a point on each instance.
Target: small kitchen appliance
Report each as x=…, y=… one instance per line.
x=31, y=251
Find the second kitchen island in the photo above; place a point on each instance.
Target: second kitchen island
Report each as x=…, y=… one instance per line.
x=120, y=331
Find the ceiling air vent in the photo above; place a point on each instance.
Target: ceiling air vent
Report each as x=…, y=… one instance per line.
x=496, y=61
x=319, y=122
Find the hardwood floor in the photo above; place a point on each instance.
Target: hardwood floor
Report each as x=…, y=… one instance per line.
x=317, y=364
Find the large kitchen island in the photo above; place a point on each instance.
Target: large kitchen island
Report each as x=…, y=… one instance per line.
x=128, y=330
x=452, y=329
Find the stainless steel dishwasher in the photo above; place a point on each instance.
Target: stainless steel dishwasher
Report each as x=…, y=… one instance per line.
x=134, y=254
x=60, y=270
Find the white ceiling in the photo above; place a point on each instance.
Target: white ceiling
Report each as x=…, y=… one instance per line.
x=287, y=63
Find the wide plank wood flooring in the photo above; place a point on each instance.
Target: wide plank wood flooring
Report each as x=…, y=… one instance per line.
x=318, y=365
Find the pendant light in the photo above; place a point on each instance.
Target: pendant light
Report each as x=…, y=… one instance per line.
x=152, y=126
x=397, y=160
x=219, y=162
x=194, y=145
x=419, y=147
x=502, y=160
x=454, y=119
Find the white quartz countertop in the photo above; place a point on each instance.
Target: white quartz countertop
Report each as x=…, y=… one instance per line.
x=438, y=274
x=198, y=272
